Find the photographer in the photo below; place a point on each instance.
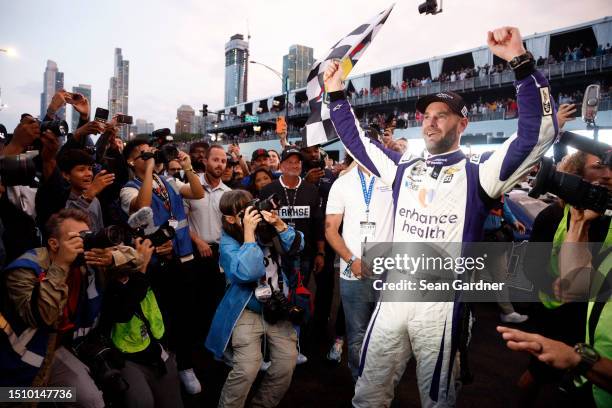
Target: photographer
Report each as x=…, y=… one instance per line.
x=17, y=202
x=137, y=331
x=243, y=316
x=557, y=320
x=172, y=272
x=53, y=294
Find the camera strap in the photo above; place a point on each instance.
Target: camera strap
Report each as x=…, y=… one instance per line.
x=162, y=192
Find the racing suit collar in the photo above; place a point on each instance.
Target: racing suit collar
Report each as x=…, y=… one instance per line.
x=445, y=159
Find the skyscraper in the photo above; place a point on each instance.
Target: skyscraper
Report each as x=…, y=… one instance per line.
x=143, y=127
x=119, y=90
x=185, y=120
x=236, y=70
x=297, y=65
x=53, y=81
x=85, y=90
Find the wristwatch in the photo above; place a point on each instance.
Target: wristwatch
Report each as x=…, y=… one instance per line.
x=349, y=263
x=588, y=357
x=521, y=60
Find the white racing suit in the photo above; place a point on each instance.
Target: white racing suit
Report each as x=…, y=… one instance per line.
x=445, y=198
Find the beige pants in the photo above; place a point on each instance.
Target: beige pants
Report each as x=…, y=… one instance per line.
x=246, y=342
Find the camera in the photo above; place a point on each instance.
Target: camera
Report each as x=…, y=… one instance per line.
x=166, y=150
x=104, y=362
x=278, y=308
x=105, y=238
x=18, y=170
x=58, y=127
x=430, y=7
x=268, y=204
x=571, y=188
x=143, y=225
x=265, y=232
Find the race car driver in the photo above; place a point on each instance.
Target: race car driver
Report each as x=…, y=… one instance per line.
x=444, y=198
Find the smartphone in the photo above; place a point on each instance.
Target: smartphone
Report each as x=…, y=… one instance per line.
x=125, y=119
x=281, y=124
x=101, y=115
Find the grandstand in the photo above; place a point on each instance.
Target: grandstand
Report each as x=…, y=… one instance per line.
x=571, y=57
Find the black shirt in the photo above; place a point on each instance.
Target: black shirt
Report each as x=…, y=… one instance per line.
x=303, y=210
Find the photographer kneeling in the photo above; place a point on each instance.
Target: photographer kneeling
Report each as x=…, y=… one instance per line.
x=51, y=300
x=254, y=304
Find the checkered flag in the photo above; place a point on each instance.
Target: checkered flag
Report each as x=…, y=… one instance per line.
x=319, y=128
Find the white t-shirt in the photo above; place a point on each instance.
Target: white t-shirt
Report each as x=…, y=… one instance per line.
x=346, y=197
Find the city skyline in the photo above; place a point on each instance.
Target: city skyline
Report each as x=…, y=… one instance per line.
x=118, y=91
x=296, y=66
x=236, y=70
x=53, y=80
x=178, y=65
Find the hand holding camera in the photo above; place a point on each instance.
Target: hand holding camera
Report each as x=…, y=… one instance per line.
x=251, y=218
x=314, y=175
x=99, y=257
x=25, y=133
x=58, y=100
x=79, y=102
x=185, y=161
x=145, y=249
x=90, y=128
x=272, y=218
x=102, y=180
x=68, y=251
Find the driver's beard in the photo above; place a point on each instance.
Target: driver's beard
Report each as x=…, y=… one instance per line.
x=445, y=144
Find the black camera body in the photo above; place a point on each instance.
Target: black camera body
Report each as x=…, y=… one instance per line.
x=571, y=188
x=105, y=238
x=58, y=127
x=278, y=308
x=104, y=362
x=18, y=170
x=265, y=232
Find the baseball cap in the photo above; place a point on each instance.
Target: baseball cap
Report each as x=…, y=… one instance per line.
x=289, y=151
x=258, y=153
x=454, y=101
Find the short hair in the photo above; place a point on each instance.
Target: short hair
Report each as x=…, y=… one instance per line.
x=215, y=146
x=71, y=158
x=196, y=145
x=54, y=222
x=132, y=145
x=574, y=163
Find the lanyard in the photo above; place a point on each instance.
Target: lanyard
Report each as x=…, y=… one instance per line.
x=162, y=193
x=367, y=194
x=292, y=203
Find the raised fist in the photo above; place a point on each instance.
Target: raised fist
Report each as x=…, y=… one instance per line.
x=506, y=43
x=333, y=77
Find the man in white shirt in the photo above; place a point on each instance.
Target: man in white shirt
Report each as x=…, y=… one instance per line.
x=364, y=205
x=204, y=217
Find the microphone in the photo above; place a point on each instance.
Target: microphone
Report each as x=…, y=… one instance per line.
x=590, y=104
x=143, y=219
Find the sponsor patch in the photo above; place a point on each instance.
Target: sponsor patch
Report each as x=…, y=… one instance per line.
x=298, y=211
x=547, y=108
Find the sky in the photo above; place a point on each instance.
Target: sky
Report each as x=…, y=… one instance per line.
x=176, y=48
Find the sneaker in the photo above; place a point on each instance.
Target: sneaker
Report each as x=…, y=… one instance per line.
x=190, y=381
x=301, y=359
x=335, y=353
x=265, y=365
x=513, y=317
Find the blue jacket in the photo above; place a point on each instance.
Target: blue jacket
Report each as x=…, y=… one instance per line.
x=243, y=265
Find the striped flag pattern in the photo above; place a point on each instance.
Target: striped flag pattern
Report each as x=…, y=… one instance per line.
x=319, y=128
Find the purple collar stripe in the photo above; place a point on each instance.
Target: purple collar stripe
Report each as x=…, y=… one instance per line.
x=447, y=159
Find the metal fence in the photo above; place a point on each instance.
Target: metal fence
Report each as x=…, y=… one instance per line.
x=561, y=69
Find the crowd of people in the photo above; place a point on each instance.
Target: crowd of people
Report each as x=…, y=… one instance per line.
x=122, y=262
